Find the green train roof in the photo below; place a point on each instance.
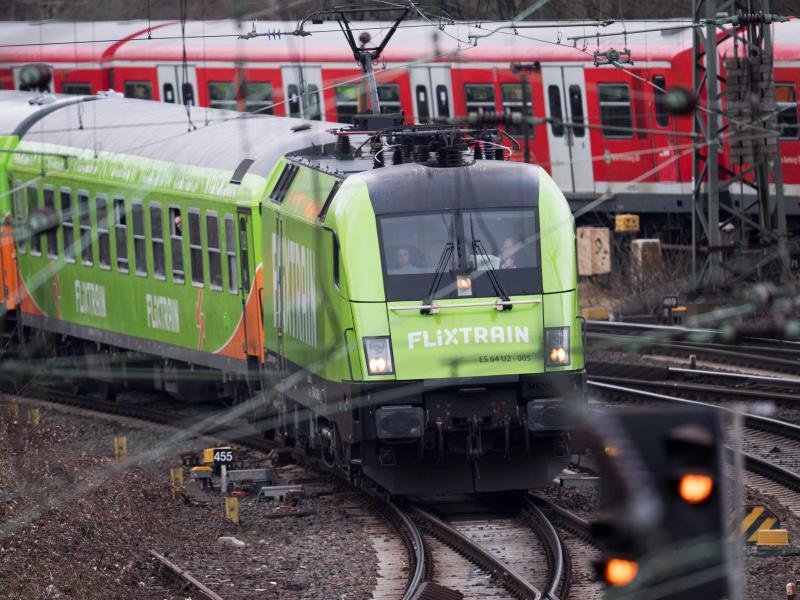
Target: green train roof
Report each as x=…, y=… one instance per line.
x=221, y=140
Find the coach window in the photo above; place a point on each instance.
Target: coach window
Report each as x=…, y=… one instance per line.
x=214, y=255
x=660, y=92
x=187, y=93
x=346, y=102
x=121, y=234
x=176, y=244
x=294, y=101
x=85, y=219
x=479, y=97
x=313, y=104
x=513, y=96
x=139, y=251
x=67, y=225
x=442, y=101
x=195, y=248
x=786, y=100
x=32, y=193
x=615, y=109
x=251, y=97
x=50, y=210
x=556, y=115
x=389, y=97
x=168, y=93
x=157, y=240
x=103, y=240
x=83, y=89
x=576, y=110
x=230, y=249
x=140, y=90
x=423, y=107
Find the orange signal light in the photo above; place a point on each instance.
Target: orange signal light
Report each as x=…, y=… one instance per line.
x=620, y=572
x=695, y=488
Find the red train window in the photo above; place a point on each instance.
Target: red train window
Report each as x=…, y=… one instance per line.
x=786, y=100
x=615, y=110
x=660, y=91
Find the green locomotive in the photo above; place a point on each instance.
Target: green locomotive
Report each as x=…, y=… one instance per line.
x=407, y=307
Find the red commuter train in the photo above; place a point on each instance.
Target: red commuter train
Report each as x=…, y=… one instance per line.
x=428, y=71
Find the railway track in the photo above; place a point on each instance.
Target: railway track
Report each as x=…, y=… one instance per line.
x=780, y=356
x=484, y=552
x=698, y=383
x=771, y=448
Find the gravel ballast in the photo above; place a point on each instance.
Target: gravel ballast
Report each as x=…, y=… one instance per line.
x=75, y=523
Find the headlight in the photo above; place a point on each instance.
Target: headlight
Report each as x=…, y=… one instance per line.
x=556, y=343
x=378, y=351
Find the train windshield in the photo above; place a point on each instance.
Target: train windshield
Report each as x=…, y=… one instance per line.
x=502, y=241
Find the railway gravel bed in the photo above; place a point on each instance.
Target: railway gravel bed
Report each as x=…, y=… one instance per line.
x=77, y=524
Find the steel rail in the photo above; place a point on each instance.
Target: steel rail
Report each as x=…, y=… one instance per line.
x=704, y=388
x=413, y=540
x=754, y=464
x=558, y=578
x=776, y=426
x=506, y=576
x=571, y=521
x=185, y=576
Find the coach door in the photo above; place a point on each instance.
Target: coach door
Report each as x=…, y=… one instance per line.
x=432, y=91
x=177, y=84
x=570, y=151
x=302, y=89
x=278, y=295
x=251, y=287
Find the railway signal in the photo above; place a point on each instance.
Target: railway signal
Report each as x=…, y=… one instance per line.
x=681, y=549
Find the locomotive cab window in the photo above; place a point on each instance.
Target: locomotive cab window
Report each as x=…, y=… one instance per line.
x=615, y=109
x=786, y=100
x=460, y=245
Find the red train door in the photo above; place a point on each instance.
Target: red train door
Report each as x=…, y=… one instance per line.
x=432, y=92
x=570, y=149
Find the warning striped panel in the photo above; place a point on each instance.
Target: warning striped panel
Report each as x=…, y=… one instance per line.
x=756, y=518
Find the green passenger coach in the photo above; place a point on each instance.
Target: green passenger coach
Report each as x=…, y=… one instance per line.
x=396, y=297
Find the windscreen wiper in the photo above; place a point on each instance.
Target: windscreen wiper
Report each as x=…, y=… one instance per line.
x=444, y=259
x=479, y=250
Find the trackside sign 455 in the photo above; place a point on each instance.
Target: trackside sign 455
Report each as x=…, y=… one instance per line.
x=465, y=336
